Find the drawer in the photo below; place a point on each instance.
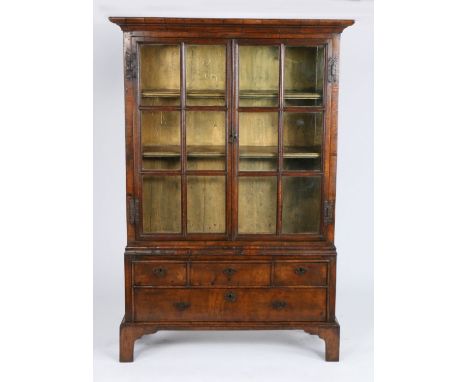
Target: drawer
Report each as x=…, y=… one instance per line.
x=236, y=304
x=294, y=273
x=230, y=274
x=159, y=273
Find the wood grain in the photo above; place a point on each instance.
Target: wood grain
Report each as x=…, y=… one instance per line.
x=230, y=274
x=258, y=72
x=160, y=69
x=257, y=204
x=206, y=73
x=206, y=204
x=245, y=305
x=161, y=204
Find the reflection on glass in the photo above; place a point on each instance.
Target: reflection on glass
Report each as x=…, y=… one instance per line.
x=302, y=141
x=301, y=204
x=257, y=204
x=206, y=75
x=160, y=75
x=160, y=140
x=258, y=141
x=206, y=204
x=161, y=204
x=206, y=137
x=258, y=75
x=303, y=75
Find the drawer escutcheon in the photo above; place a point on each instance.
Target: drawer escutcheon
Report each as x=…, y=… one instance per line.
x=229, y=272
x=181, y=305
x=300, y=271
x=159, y=271
x=278, y=304
x=230, y=296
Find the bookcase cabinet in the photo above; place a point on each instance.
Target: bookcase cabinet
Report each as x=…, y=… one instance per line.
x=231, y=137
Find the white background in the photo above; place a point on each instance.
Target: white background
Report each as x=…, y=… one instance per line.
x=238, y=356
x=46, y=225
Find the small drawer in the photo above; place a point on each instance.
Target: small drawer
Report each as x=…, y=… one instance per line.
x=230, y=274
x=235, y=304
x=159, y=273
x=290, y=273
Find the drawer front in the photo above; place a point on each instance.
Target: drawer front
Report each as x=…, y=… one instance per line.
x=224, y=304
x=300, y=273
x=230, y=274
x=159, y=273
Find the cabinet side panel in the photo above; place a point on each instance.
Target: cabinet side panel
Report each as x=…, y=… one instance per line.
x=331, y=289
x=129, y=88
x=332, y=135
x=128, y=269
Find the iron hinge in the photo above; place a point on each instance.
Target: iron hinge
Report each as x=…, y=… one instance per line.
x=130, y=66
x=133, y=210
x=328, y=212
x=333, y=70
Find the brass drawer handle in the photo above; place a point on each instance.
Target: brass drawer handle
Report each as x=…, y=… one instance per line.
x=181, y=305
x=160, y=272
x=229, y=272
x=278, y=305
x=230, y=296
x=300, y=271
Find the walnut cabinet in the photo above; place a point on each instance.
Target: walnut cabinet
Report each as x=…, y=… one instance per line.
x=231, y=138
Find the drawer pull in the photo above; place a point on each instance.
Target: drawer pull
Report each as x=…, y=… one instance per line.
x=181, y=305
x=229, y=272
x=230, y=296
x=160, y=272
x=278, y=305
x=300, y=271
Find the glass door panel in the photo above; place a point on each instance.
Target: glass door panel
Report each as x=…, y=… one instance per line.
x=257, y=198
x=160, y=140
x=303, y=75
x=161, y=204
x=302, y=141
x=206, y=204
x=258, y=141
x=206, y=75
x=183, y=145
x=258, y=75
x=301, y=204
x=206, y=140
x=160, y=75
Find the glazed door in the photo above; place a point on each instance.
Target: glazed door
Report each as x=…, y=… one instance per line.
x=183, y=172
x=230, y=140
x=279, y=126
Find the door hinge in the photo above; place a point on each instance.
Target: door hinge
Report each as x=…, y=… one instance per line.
x=328, y=212
x=333, y=70
x=133, y=210
x=130, y=66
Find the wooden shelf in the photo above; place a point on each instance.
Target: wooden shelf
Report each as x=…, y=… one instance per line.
x=271, y=152
x=176, y=94
x=154, y=93
x=245, y=152
x=192, y=151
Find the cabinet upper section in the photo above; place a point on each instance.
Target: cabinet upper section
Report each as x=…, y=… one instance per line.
x=233, y=28
x=231, y=128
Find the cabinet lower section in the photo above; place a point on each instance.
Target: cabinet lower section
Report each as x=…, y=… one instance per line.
x=236, y=304
x=203, y=290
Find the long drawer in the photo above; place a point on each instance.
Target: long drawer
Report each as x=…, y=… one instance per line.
x=224, y=304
